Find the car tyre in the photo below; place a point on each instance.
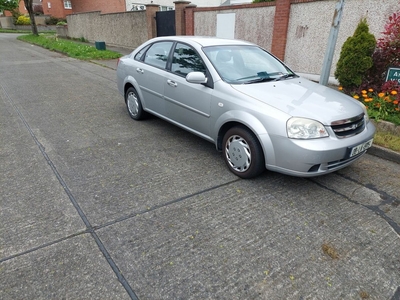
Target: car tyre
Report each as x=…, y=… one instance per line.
x=242, y=153
x=134, y=105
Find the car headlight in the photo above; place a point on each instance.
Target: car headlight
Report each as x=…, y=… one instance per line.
x=301, y=128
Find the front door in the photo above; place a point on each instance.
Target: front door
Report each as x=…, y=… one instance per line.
x=188, y=104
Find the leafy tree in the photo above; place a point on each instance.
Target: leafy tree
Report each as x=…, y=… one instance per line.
x=29, y=8
x=355, y=57
x=9, y=5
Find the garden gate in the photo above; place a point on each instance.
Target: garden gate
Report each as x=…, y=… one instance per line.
x=165, y=21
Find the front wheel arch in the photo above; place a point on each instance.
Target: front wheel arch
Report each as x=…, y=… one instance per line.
x=242, y=152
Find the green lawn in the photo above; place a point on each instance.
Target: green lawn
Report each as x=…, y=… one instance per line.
x=71, y=48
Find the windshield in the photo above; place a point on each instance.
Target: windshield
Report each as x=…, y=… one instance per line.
x=246, y=64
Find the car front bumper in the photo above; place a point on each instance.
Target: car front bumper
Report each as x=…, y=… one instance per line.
x=308, y=158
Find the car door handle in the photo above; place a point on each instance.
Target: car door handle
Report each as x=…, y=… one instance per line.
x=139, y=70
x=172, y=83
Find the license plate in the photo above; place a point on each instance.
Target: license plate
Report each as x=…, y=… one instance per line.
x=360, y=148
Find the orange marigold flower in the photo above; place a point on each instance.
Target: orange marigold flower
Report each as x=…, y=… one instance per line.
x=395, y=102
x=363, y=92
x=397, y=109
x=370, y=90
x=356, y=97
x=393, y=92
x=340, y=88
x=381, y=95
x=378, y=105
x=365, y=95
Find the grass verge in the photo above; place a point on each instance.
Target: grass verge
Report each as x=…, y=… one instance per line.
x=70, y=48
x=2, y=30
x=387, y=140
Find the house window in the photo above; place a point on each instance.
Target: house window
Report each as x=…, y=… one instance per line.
x=67, y=4
x=165, y=8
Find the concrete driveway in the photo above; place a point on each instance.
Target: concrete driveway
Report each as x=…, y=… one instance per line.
x=94, y=205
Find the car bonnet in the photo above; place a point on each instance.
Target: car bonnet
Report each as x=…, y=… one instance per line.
x=303, y=98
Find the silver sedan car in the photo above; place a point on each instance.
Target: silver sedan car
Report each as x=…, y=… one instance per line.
x=257, y=111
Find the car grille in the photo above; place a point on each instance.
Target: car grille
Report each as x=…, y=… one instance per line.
x=348, y=127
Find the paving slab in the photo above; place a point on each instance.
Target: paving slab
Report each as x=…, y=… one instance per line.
x=248, y=240
x=33, y=206
x=70, y=269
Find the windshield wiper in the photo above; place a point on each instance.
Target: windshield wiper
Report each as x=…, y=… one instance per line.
x=257, y=80
x=289, y=75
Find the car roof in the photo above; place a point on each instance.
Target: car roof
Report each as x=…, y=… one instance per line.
x=204, y=41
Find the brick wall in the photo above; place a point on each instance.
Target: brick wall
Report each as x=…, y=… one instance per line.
x=104, y=6
x=55, y=8
x=281, y=24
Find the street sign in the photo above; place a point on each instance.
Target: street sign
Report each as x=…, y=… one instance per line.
x=393, y=74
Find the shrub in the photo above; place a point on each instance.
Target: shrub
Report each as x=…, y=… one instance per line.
x=355, y=57
x=387, y=54
x=15, y=14
x=53, y=20
x=38, y=10
x=23, y=20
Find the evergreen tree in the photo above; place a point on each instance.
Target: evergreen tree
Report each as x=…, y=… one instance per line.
x=355, y=57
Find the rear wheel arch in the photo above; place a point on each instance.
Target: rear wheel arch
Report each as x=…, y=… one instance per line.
x=127, y=86
x=134, y=104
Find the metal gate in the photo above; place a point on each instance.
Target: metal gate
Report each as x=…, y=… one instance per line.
x=165, y=21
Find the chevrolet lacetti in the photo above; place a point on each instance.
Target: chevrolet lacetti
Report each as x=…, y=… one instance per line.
x=257, y=111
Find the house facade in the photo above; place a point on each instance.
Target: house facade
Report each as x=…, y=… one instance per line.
x=55, y=8
x=169, y=4
x=63, y=8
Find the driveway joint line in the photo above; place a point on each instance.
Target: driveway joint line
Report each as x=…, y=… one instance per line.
x=71, y=197
x=374, y=208
x=156, y=207
x=45, y=245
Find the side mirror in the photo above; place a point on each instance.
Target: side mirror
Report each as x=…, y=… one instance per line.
x=196, y=77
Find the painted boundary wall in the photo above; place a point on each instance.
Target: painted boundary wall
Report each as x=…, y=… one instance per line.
x=308, y=26
x=253, y=24
x=310, y=23
x=7, y=23
x=128, y=29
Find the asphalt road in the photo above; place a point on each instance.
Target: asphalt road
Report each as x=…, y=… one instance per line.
x=94, y=205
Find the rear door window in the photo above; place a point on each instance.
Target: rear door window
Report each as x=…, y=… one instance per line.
x=157, y=54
